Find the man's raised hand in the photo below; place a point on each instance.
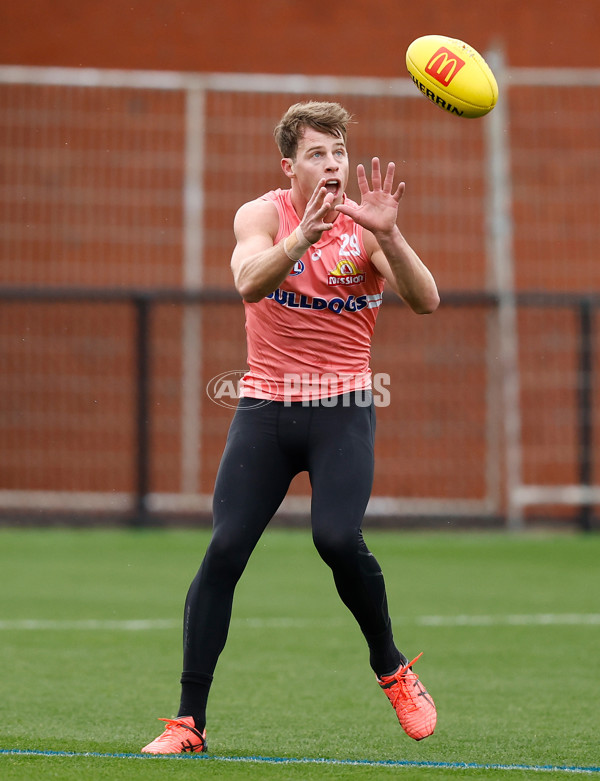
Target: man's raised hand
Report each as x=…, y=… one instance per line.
x=378, y=210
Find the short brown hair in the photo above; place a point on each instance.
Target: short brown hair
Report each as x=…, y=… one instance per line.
x=330, y=118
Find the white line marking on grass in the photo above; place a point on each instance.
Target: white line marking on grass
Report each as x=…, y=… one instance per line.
x=141, y=625
x=306, y=761
x=537, y=619
x=147, y=625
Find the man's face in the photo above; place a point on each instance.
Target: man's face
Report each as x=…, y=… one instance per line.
x=319, y=156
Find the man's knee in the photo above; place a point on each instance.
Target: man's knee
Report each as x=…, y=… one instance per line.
x=226, y=557
x=336, y=546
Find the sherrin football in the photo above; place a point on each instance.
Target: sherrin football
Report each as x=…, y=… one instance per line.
x=452, y=75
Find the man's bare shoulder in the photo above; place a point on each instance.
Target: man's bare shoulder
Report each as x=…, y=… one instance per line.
x=256, y=216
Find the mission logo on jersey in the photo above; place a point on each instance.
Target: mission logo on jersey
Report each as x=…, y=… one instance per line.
x=345, y=273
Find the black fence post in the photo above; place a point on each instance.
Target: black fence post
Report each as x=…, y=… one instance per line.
x=585, y=407
x=142, y=446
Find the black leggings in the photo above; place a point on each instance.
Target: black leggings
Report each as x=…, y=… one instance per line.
x=266, y=447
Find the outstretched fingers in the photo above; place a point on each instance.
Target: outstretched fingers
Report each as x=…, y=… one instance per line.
x=361, y=177
x=397, y=195
x=389, y=183
x=313, y=222
x=376, y=182
x=389, y=178
x=318, y=196
x=363, y=182
x=375, y=174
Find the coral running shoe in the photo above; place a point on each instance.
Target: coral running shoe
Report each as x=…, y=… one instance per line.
x=180, y=737
x=410, y=699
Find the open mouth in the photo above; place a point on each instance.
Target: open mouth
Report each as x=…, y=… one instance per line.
x=333, y=186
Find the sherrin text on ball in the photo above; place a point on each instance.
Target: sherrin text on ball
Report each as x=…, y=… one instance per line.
x=452, y=75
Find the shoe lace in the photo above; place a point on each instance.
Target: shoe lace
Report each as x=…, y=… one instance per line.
x=171, y=726
x=408, y=665
x=404, y=692
x=178, y=726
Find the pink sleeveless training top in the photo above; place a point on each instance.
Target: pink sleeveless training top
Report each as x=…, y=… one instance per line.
x=311, y=337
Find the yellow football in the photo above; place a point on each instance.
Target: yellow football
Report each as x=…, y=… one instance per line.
x=452, y=75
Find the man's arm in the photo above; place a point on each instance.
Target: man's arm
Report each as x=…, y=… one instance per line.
x=388, y=249
x=403, y=270
x=259, y=265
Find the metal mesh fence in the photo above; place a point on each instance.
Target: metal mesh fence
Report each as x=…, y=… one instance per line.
x=127, y=183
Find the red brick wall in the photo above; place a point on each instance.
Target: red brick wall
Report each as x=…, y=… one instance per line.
x=356, y=37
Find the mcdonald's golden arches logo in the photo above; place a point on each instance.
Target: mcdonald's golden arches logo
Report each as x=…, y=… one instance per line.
x=444, y=65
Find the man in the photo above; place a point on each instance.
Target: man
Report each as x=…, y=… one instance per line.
x=310, y=265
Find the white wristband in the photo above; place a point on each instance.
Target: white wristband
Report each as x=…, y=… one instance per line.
x=296, y=244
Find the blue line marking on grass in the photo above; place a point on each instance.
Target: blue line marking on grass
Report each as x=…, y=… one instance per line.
x=405, y=763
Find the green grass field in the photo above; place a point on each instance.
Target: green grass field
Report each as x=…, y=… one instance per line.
x=90, y=651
